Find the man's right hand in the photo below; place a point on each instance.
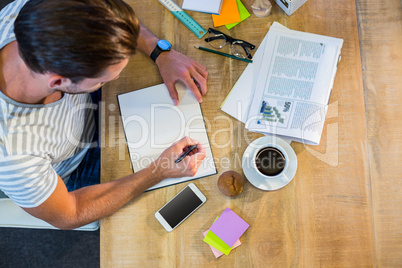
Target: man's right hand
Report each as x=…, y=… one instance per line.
x=165, y=167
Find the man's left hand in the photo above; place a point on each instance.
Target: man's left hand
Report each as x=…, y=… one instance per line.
x=175, y=66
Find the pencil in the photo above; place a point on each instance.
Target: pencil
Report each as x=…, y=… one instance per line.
x=223, y=54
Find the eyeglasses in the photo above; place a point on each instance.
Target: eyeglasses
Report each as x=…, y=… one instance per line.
x=238, y=48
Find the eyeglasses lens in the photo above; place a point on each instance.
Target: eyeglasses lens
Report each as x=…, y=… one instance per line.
x=216, y=40
x=239, y=51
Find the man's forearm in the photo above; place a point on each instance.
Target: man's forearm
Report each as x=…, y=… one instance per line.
x=146, y=41
x=71, y=210
x=99, y=201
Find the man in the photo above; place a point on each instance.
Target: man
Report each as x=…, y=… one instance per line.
x=61, y=51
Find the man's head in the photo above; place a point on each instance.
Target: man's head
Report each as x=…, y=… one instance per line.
x=75, y=39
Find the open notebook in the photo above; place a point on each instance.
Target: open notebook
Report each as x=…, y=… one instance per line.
x=152, y=123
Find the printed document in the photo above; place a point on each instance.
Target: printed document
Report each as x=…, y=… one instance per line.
x=286, y=90
x=294, y=85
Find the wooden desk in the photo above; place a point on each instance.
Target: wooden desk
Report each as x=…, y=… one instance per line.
x=342, y=209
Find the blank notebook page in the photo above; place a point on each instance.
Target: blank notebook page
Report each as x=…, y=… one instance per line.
x=152, y=123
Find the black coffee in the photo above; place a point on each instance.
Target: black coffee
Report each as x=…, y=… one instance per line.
x=270, y=161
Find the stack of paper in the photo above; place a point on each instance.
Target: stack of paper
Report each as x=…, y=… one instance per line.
x=225, y=232
x=205, y=6
x=285, y=91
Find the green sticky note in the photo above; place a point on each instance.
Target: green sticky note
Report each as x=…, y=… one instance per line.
x=213, y=240
x=243, y=15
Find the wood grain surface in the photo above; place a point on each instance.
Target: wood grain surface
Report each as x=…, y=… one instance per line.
x=342, y=209
x=381, y=49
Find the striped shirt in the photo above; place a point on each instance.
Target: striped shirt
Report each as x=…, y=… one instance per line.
x=39, y=142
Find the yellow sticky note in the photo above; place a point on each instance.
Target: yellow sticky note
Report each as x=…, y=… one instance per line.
x=229, y=13
x=213, y=240
x=244, y=14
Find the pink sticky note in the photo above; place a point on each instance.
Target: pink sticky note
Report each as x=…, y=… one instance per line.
x=229, y=227
x=216, y=252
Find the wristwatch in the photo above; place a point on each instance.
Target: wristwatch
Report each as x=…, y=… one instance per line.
x=161, y=46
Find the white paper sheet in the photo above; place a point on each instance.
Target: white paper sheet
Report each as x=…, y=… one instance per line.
x=152, y=123
x=205, y=6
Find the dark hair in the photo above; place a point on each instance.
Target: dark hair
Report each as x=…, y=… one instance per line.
x=76, y=39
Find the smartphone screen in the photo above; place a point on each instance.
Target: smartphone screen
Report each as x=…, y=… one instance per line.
x=180, y=207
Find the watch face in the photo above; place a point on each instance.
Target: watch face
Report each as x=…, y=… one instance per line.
x=164, y=45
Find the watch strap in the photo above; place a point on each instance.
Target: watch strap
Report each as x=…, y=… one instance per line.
x=155, y=53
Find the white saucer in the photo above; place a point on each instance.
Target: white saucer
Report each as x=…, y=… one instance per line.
x=259, y=180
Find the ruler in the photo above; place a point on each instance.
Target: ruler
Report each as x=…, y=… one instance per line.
x=188, y=21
